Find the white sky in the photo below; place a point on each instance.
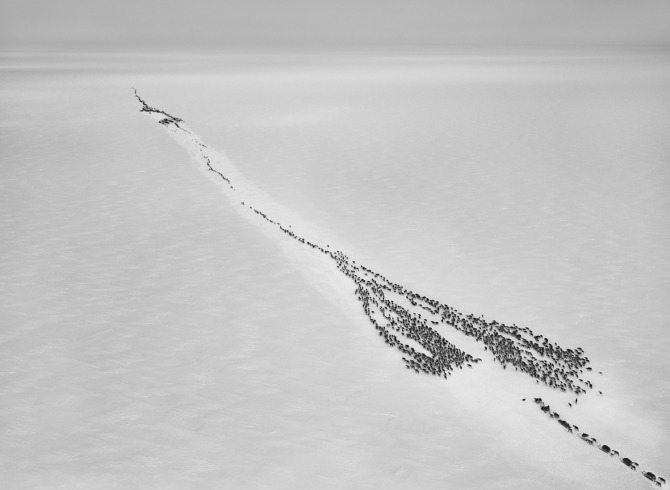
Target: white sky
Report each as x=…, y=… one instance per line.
x=231, y=24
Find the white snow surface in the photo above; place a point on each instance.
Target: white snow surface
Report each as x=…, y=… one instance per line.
x=156, y=334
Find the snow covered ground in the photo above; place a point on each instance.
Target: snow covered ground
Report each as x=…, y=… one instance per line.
x=152, y=335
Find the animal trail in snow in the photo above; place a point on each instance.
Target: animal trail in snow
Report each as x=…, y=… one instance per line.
x=408, y=321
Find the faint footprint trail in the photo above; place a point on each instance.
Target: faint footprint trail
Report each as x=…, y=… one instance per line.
x=409, y=321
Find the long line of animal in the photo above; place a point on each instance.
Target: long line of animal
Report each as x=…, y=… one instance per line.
x=408, y=321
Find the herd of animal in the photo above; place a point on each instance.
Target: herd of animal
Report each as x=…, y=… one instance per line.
x=402, y=317
x=573, y=429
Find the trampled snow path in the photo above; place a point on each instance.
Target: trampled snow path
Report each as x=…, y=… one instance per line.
x=409, y=321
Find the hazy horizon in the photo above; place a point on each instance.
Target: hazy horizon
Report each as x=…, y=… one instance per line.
x=397, y=24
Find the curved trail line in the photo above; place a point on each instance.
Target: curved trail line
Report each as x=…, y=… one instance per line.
x=409, y=322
